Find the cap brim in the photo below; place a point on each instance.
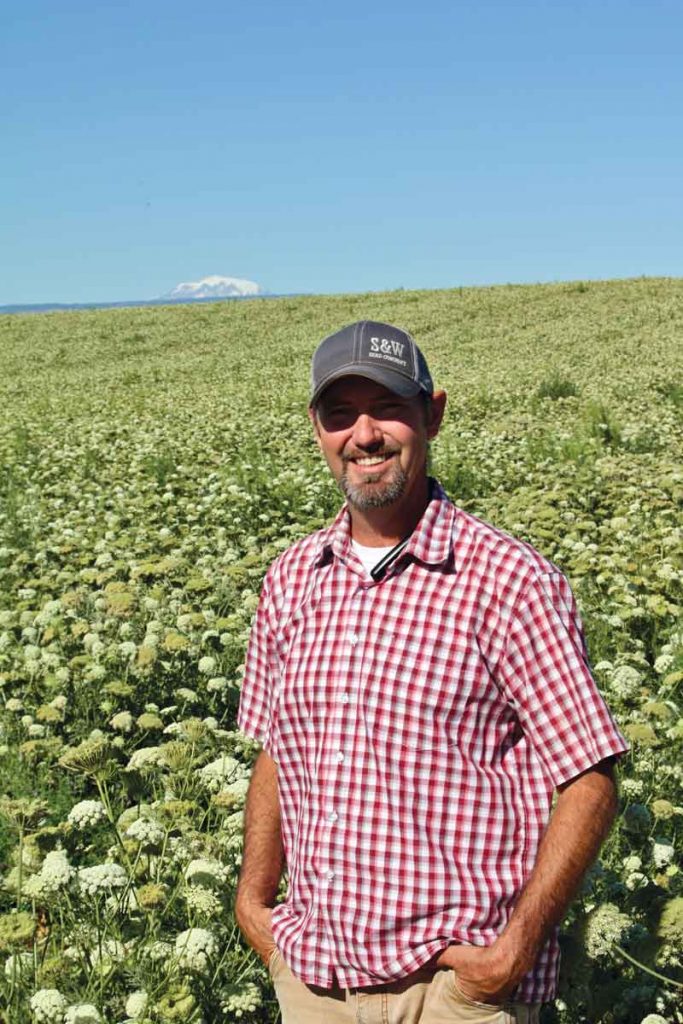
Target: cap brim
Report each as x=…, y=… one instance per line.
x=394, y=382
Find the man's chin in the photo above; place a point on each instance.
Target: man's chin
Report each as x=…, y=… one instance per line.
x=373, y=492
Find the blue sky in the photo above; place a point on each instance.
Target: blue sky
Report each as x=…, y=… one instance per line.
x=350, y=147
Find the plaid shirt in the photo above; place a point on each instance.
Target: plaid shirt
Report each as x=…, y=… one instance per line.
x=420, y=725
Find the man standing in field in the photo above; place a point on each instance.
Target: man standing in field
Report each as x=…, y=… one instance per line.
x=419, y=684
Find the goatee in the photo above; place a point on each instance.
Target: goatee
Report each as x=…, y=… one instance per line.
x=371, y=493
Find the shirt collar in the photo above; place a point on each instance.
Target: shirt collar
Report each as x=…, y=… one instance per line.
x=430, y=543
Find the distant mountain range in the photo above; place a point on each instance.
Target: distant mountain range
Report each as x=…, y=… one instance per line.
x=209, y=289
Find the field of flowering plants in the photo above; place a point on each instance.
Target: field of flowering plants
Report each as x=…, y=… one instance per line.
x=153, y=462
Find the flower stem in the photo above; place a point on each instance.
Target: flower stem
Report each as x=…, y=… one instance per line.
x=648, y=970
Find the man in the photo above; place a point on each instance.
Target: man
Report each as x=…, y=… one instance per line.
x=419, y=684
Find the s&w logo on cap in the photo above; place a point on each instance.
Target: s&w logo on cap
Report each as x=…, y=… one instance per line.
x=387, y=346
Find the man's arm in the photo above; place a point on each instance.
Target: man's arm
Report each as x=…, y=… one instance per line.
x=584, y=812
x=263, y=858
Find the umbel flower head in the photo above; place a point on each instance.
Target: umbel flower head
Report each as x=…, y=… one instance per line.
x=240, y=999
x=19, y=965
x=204, y=902
x=48, y=1006
x=86, y=813
x=217, y=774
x=82, y=1013
x=23, y=812
x=605, y=926
x=177, y=755
x=206, y=872
x=136, y=1004
x=102, y=878
x=153, y=895
x=177, y=1005
x=16, y=930
x=194, y=948
x=55, y=874
x=670, y=927
x=148, y=833
x=91, y=757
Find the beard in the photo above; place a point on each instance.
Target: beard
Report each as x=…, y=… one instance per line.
x=371, y=493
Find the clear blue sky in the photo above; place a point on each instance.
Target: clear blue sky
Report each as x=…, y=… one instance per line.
x=342, y=147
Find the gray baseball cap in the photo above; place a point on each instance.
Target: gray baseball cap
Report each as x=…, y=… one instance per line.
x=369, y=348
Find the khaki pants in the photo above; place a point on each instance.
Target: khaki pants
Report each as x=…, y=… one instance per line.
x=426, y=997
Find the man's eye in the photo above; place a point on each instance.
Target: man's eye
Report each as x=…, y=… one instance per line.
x=336, y=416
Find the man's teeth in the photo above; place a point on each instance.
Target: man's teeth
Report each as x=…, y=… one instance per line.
x=371, y=460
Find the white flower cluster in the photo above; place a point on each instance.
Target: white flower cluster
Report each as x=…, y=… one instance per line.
x=82, y=1013
x=219, y=773
x=239, y=1000
x=663, y=852
x=632, y=788
x=203, y=901
x=55, y=874
x=136, y=1004
x=146, y=832
x=157, y=952
x=122, y=721
x=217, y=684
x=48, y=1006
x=605, y=926
x=144, y=757
x=626, y=682
x=128, y=649
x=194, y=948
x=18, y=965
x=86, y=813
x=109, y=949
x=207, y=872
x=236, y=792
x=102, y=878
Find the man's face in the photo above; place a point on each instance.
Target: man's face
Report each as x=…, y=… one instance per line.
x=374, y=441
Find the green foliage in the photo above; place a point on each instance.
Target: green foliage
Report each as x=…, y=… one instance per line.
x=557, y=386
x=601, y=424
x=153, y=462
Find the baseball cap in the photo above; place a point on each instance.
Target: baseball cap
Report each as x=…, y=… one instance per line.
x=369, y=348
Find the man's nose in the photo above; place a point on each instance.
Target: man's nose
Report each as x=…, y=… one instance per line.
x=366, y=431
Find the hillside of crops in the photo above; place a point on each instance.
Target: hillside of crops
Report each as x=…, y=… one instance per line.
x=153, y=462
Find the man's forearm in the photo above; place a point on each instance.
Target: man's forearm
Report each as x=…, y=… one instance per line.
x=581, y=819
x=262, y=858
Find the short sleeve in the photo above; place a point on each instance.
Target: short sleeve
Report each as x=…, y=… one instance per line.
x=254, y=716
x=545, y=674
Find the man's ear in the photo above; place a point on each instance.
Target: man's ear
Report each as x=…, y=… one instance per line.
x=435, y=414
x=313, y=417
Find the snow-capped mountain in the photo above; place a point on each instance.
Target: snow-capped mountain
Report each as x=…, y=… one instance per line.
x=214, y=287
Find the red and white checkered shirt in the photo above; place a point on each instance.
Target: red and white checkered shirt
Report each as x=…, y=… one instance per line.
x=420, y=725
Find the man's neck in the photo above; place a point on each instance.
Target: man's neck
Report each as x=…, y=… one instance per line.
x=384, y=527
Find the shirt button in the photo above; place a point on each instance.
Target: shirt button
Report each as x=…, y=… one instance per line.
x=353, y=639
x=344, y=698
x=332, y=817
x=330, y=876
x=340, y=756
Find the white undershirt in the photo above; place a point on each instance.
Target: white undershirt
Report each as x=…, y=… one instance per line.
x=370, y=556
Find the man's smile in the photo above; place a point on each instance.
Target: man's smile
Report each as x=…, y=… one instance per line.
x=367, y=461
